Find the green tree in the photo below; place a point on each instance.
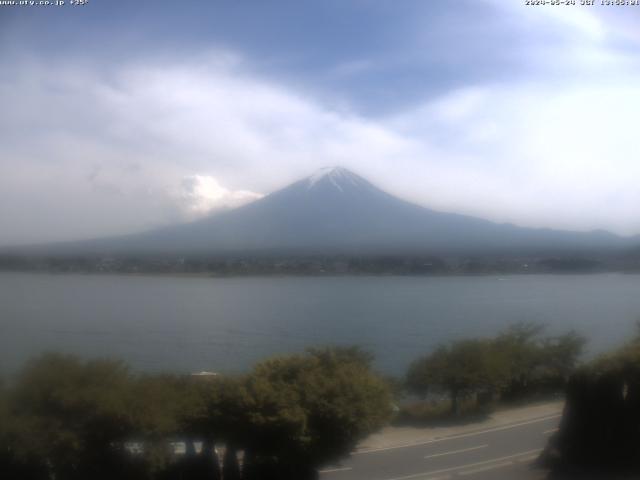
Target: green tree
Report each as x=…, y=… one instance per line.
x=599, y=429
x=625, y=360
x=157, y=405
x=520, y=347
x=561, y=355
x=461, y=368
x=306, y=410
x=5, y=446
x=537, y=363
x=71, y=417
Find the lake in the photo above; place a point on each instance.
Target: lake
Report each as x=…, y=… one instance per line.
x=227, y=324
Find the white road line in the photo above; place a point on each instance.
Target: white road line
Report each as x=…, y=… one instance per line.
x=455, y=437
x=547, y=432
x=528, y=458
x=334, y=470
x=469, y=465
x=486, y=469
x=453, y=452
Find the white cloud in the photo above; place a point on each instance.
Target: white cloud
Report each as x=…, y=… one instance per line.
x=578, y=20
x=203, y=194
x=535, y=155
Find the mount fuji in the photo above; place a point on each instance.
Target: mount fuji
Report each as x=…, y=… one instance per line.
x=335, y=211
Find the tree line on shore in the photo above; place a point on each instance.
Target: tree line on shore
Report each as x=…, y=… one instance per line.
x=65, y=418
x=380, y=264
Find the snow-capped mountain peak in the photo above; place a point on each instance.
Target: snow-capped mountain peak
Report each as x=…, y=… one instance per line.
x=338, y=177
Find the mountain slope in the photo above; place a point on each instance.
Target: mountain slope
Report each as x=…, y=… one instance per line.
x=337, y=211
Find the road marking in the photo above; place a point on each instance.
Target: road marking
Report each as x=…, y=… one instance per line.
x=486, y=469
x=456, y=451
x=455, y=437
x=547, y=432
x=334, y=470
x=528, y=458
x=469, y=465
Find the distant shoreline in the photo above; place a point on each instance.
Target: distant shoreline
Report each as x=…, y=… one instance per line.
x=326, y=265
x=202, y=275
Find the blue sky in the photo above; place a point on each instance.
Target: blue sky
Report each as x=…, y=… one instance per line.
x=121, y=116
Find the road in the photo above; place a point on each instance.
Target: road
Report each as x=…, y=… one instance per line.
x=500, y=453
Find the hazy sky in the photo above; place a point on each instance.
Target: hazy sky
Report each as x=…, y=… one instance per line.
x=120, y=116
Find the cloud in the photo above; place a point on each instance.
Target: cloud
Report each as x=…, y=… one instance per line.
x=569, y=21
x=203, y=194
x=533, y=155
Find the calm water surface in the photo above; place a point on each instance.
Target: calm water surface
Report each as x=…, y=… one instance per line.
x=225, y=325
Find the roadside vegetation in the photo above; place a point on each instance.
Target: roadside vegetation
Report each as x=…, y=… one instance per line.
x=466, y=378
x=64, y=418
x=600, y=428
